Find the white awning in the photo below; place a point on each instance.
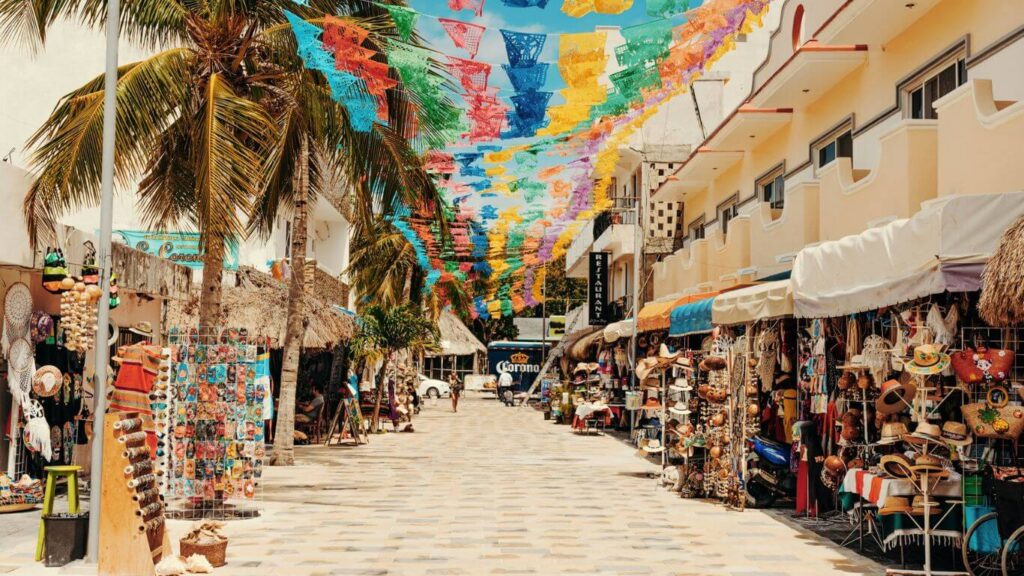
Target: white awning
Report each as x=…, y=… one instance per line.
x=941, y=248
x=759, y=302
x=623, y=329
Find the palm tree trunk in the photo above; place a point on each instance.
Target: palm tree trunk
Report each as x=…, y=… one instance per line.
x=381, y=382
x=284, y=434
x=213, y=279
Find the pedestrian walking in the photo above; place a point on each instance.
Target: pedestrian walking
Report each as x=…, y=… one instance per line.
x=456, y=387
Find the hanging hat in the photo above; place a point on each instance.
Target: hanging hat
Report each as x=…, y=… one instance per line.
x=665, y=355
x=653, y=446
x=918, y=506
x=895, y=396
x=680, y=385
x=895, y=505
x=652, y=403
x=683, y=363
x=143, y=328
x=956, y=433
x=680, y=408
x=928, y=359
x=896, y=465
x=925, y=433
x=645, y=366
x=47, y=381
x=713, y=363
x=893, y=432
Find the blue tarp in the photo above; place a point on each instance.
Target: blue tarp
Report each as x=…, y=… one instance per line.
x=692, y=318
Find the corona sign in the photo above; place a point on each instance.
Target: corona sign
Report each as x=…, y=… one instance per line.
x=522, y=360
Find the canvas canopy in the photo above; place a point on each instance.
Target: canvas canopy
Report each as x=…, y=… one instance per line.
x=656, y=315
x=758, y=302
x=623, y=329
x=941, y=248
x=692, y=318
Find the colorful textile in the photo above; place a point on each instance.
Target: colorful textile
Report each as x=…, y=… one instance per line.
x=463, y=34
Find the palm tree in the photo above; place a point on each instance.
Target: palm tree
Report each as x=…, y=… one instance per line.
x=389, y=330
x=208, y=124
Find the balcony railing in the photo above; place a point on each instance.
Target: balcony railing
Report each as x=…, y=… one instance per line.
x=775, y=236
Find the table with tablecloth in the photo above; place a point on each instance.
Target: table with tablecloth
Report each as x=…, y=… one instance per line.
x=901, y=528
x=594, y=410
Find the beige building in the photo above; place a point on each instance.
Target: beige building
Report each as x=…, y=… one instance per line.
x=861, y=111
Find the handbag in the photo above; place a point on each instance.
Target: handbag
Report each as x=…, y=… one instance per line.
x=987, y=421
x=973, y=365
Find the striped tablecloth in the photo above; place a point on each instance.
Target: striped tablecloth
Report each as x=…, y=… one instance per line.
x=876, y=489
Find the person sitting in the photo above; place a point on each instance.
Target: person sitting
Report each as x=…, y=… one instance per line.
x=310, y=411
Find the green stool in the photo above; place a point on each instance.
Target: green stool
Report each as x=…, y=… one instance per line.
x=52, y=472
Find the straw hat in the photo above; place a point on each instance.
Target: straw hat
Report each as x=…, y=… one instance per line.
x=928, y=359
x=925, y=433
x=46, y=381
x=651, y=404
x=893, y=432
x=931, y=465
x=653, y=446
x=956, y=433
x=895, y=505
x=680, y=408
x=918, y=507
x=680, y=385
x=895, y=396
x=645, y=366
x=897, y=466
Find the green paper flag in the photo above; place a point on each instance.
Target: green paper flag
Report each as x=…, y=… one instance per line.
x=404, y=18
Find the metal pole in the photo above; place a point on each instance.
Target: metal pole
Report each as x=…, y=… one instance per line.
x=544, y=319
x=103, y=315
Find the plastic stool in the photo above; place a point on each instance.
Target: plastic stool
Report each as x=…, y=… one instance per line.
x=52, y=472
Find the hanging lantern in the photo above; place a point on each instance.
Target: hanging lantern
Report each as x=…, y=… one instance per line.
x=55, y=271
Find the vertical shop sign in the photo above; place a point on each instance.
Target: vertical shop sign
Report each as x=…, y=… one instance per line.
x=598, y=294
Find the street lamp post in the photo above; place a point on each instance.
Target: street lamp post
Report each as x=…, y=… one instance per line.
x=103, y=314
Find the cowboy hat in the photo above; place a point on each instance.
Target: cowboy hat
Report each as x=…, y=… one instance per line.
x=142, y=328
x=645, y=366
x=896, y=466
x=46, y=381
x=928, y=359
x=665, y=355
x=925, y=433
x=956, y=433
x=895, y=505
x=895, y=396
x=892, y=432
x=681, y=408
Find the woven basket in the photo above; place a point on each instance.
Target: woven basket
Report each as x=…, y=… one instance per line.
x=215, y=553
x=1012, y=415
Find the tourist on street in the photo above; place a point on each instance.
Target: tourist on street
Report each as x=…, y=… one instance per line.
x=456, y=386
x=504, y=385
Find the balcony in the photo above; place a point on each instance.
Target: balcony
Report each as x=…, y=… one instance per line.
x=729, y=254
x=618, y=240
x=686, y=271
x=576, y=261
x=696, y=174
x=874, y=22
x=810, y=72
x=747, y=123
x=777, y=235
x=853, y=200
x=980, y=141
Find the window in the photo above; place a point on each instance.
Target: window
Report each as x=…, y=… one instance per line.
x=727, y=211
x=696, y=229
x=921, y=93
x=829, y=148
x=772, y=187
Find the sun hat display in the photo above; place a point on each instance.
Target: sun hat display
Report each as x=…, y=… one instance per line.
x=928, y=464
x=928, y=359
x=47, y=381
x=956, y=433
x=680, y=385
x=680, y=408
x=925, y=433
x=652, y=403
x=892, y=432
x=896, y=466
x=668, y=356
x=895, y=396
x=653, y=446
x=895, y=505
x=645, y=366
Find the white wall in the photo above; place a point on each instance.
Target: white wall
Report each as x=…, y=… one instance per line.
x=1003, y=68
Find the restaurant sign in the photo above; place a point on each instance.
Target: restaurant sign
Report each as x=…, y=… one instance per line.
x=598, y=294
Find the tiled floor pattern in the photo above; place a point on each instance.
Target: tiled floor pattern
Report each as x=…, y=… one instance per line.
x=490, y=490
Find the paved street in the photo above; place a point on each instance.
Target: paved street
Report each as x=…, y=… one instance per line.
x=494, y=490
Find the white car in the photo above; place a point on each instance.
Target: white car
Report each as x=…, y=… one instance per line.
x=430, y=388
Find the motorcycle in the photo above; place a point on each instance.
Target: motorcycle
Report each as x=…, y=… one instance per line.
x=768, y=473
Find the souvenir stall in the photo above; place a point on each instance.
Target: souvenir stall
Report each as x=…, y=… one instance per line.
x=912, y=392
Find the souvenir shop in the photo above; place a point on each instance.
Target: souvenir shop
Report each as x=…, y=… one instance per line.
x=49, y=330
x=884, y=407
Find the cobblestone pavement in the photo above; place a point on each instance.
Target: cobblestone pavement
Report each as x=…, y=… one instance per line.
x=492, y=490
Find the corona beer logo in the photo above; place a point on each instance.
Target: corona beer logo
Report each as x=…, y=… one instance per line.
x=519, y=358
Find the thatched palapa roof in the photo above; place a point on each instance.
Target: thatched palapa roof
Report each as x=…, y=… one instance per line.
x=1002, y=284
x=260, y=304
x=456, y=339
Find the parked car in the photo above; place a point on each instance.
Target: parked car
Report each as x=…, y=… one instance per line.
x=430, y=388
x=481, y=383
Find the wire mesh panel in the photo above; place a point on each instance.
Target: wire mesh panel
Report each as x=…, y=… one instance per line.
x=1006, y=339
x=216, y=424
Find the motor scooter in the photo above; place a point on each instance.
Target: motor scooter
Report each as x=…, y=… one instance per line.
x=768, y=473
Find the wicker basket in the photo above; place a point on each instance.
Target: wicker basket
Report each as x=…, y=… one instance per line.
x=215, y=553
x=1012, y=415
